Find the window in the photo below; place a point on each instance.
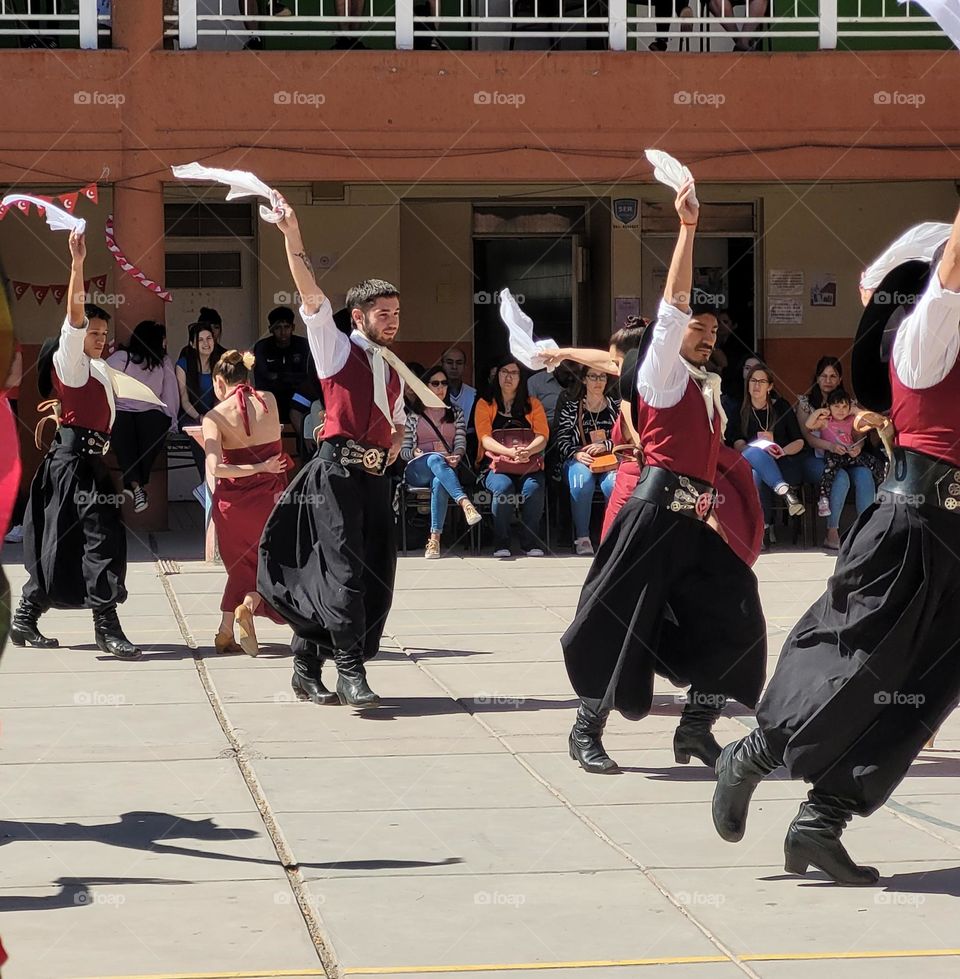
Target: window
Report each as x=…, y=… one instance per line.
x=208, y=219
x=203, y=270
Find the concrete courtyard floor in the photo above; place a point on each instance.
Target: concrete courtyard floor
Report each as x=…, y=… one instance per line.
x=184, y=816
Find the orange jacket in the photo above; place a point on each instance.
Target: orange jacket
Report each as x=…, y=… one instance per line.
x=486, y=411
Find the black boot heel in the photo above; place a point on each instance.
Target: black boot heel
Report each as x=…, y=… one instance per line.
x=586, y=748
x=681, y=757
x=24, y=630
x=352, y=687
x=814, y=838
x=694, y=735
x=794, y=864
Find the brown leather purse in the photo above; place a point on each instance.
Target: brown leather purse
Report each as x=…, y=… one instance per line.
x=514, y=438
x=602, y=463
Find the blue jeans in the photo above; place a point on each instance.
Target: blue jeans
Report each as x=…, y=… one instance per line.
x=769, y=473
x=865, y=489
x=582, y=483
x=434, y=471
x=504, y=489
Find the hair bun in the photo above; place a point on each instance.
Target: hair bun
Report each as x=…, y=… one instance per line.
x=248, y=360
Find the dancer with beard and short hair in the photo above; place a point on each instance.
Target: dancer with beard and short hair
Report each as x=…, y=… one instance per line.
x=328, y=554
x=666, y=593
x=870, y=671
x=74, y=542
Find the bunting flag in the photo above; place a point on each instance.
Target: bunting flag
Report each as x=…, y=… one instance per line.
x=3, y=210
x=58, y=289
x=69, y=201
x=90, y=192
x=129, y=267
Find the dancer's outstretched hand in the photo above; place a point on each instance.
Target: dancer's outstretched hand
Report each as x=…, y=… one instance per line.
x=686, y=204
x=288, y=223
x=78, y=246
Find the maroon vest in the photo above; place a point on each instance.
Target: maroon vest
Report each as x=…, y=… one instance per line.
x=926, y=420
x=348, y=401
x=679, y=438
x=87, y=407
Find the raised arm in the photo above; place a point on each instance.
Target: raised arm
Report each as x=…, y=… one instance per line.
x=299, y=261
x=928, y=340
x=680, y=274
x=598, y=359
x=76, y=292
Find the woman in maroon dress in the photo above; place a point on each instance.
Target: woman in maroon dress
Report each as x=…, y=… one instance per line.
x=245, y=456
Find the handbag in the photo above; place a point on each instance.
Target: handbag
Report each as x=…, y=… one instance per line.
x=465, y=472
x=602, y=463
x=513, y=438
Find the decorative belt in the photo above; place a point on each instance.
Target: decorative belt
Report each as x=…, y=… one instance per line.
x=676, y=492
x=83, y=441
x=917, y=479
x=371, y=458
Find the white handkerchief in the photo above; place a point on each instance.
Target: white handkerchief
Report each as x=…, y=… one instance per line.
x=520, y=326
x=762, y=443
x=670, y=171
x=125, y=386
x=242, y=183
x=919, y=243
x=57, y=218
x=947, y=14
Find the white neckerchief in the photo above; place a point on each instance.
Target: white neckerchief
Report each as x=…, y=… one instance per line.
x=709, y=384
x=379, y=358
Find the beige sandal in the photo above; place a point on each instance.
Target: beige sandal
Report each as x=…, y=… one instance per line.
x=223, y=643
x=246, y=630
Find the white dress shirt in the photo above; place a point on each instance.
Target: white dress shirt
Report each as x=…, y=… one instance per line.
x=663, y=376
x=928, y=340
x=74, y=367
x=331, y=348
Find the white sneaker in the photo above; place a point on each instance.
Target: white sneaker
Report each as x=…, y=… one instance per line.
x=503, y=552
x=583, y=547
x=535, y=552
x=200, y=495
x=15, y=535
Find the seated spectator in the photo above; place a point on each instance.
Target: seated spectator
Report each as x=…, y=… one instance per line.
x=454, y=362
x=755, y=8
x=140, y=428
x=212, y=319
x=583, y=434
x=283, y=360
x=828, y=377
x=434, y=442
x=835, y=424
x=549, y=387
x=512, y=432
x=194, y=372
x=733, y=384
x=766, y=433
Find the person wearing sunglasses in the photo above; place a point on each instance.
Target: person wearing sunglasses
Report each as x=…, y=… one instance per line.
x=434, y=441
x=583, y=432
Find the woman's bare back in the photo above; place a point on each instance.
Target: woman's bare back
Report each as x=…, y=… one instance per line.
x=264, y=422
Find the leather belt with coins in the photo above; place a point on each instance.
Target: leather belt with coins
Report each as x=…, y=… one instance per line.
x=918, y=480
x=676, y=492
x=83, y=441
x=371, y=459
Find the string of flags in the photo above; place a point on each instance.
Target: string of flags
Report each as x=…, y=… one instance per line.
x=67, y=201
x=57, y=291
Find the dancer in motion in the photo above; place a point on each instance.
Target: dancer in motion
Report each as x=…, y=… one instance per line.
x=870, y=671
x=245, y=455
x=328, y=554
x=74, y=542
x=665, y=550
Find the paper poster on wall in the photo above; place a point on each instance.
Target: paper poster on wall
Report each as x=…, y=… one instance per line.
x=823, y=292
x=784, y=312
x=623, y=308
x=626, y=212
x=785, y=282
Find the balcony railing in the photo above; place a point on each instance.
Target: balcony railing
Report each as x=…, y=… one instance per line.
x=54, y=23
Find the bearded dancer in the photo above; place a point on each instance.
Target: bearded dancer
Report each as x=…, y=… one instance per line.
x=328, y=554
x=74, y=542
x=871, y=671
x=666, y=594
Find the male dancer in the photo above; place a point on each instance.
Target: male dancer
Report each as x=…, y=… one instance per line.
x=871, y=670
x=666, y=594
x=74, y=543
x=328, y=554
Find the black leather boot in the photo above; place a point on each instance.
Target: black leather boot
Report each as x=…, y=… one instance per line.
x=814, y=838
x=585, y=744
x=352, y=687
x=109, y=634
x=23, y=628
x=693, y=735
x=741, y=767
x=306, y=682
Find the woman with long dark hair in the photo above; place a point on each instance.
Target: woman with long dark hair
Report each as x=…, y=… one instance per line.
x=827, y=377
x=244, y=453
x=140, y=427
x=512, y=432
x=434, y=441
x=195, y=381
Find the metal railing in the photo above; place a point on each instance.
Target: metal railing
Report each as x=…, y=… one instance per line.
x=54, y=23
